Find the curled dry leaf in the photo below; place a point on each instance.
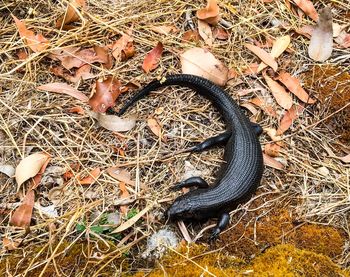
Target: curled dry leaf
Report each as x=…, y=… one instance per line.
x=288, y=118
x=278, y=47
x=263, y=55
x=104, y=56
x=37, y=43
x=152, y=58
x=123, y=48
x=92, y=178
x=121, y=175
x=308, y=8
x=282, y=97
x=205, y=32
x=295, y=87
x=113, y=122
x=71, y=15
x=23, y=214
x=82, y=57
x=64, y=89
x=321, y=43
x=165, y=29
x=155, y=127
x=190, y=36
x=29, y=167
x=201, y=62
x=107, y=91
x=272, y=149
x=211, y=13
x=271, y=162
x=82, y=73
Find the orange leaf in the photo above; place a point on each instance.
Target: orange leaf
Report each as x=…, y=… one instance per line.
x=123, y=44
x=205, y=32
x=272, y=149
x=9, y=244
x=152, y=58
x=92, y=178
x=308, y=8
x=124, y=194
x=77, y=109
x=154, y=126
x=71, y=14
x=210, y=13
x=107, y=92
x=251, y=69
x=190, y=36
x=294, y=87
x=23, y=214
x=263, y=55
x=37, y=43
x=289, y=118
x=282, y=97
x=263, y=105
x=220, y=33
x=271, y=162
x=65, y=89
x=165, y=29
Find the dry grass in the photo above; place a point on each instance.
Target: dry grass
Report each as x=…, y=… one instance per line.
x=32, y=121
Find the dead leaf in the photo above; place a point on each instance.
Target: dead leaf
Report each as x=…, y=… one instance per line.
x=250, y=108
x=29, y=167
x=278, y=47
x=9, y=244
x=65, y=89
x=107, y=92
x=190, y=36
x=210, y=13
x=23, y=214
x=165, y=29
x=251, y=69
x=305, y=30
x=123, y=48
x=22, y=54
x=321, y=43
x=80, y=58
x=201, y=62
x=121, y=175
x=205, y=32
x=71, y=15
x=8, y=170
x=155, y=127
x=272, y=149
x=271, y=162
x=152, y=58
x=92, y=178
x=220, y=33
x=288, y=118
x=282, y=97
x=124, y=194
x=104, y=56
x=37, y=178
x=294, y=86
x=345, y=159
x=264, y=106
x=37, y=43
x=343, y=39
x=272, y=133
x=77, y=109
x=81, y=73
x=308, y=8
x=113, y=122
x=263, y=55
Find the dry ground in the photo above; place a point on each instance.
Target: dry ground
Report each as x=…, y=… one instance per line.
x=30, y=120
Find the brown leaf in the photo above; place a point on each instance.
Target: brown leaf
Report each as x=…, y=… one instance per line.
x=92, y=178
x=152, y=58
x=264, y=106
x=220, y=33
x=81, y=73
x=121, y=175
x=308, y=8
x=37, y=43
x=113, y=122
x=343, y=39
x=155, y=127
x=345, y=159
x=271, y=162
x=272, y=149
x=37, y=178
x=107, y=91
x=80, y=58
x=22, y=54
x=124, y=46
x=288, y=118
x=9, y=244
x=190, y=36
x=263, y=55
x=65, y=89
x=104, y=56
x=124, y=194
x=71, y=15
x=77, y=109
x=251, y=69
x=305, y=30
x=321, y=43
x=205, y=32
x=282, y=97
x=29, y=167
x=23, y=214
x=165, y=29
x=250, y=108
x=201, y=62
x=272, y=133
x=294, y=87
x=210, y=13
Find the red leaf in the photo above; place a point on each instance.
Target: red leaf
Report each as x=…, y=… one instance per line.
x=23, y=214
x=92, y=178
x=107, y=92
x=152, y=58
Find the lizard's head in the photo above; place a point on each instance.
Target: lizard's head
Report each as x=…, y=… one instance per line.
x=181, y=209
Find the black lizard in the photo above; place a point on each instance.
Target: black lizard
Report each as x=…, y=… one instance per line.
x=242, y=172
